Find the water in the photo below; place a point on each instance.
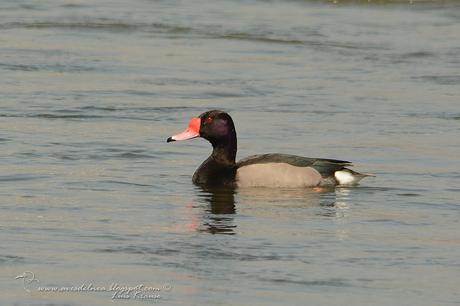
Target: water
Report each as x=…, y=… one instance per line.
x=91, y=194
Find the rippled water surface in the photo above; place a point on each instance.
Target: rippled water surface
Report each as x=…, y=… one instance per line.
x=92, y=196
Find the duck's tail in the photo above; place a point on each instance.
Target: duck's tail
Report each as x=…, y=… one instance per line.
x=348, y=177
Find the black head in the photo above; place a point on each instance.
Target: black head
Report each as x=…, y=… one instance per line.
x=215, y=126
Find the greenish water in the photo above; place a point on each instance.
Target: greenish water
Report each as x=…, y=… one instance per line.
x=92, y=196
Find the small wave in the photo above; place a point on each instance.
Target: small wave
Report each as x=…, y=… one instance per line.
x=259, y=38
x=409, y=194
x=65, y=157
x=410, y=57
x=87, y=113
x=54, y=68
x=452, y=174
x=125, y=183
x=287, y=39
x=197, y=250
x=105, y=236
x=417, y=54
x=443, y=115
x=307, y=37
x=71, y=25
x=133, y=155
x=390, y=222
x=439, y=79
x=104, y=153
x=11, y=259
x=20, y=177
x=146, y=109
x=137, y=249
x=109, y=25
x=73, y=5
x=55, y=116
x=18, y=67
x=99, y=25
x=333, y=282
x=99, y=108
x=222, y=94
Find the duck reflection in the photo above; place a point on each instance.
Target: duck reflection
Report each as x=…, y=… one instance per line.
x=219, y=214
x=311, y=201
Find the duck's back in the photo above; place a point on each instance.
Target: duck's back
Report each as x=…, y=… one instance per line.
x=284, y=170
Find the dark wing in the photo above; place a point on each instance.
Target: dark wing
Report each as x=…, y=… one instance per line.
x=326, y=167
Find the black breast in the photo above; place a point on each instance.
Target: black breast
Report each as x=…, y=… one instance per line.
x=214, y=173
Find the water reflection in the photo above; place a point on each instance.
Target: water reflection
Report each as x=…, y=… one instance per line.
x=306, y=201
x=219, y=214
x=342, y=199
x=218, y=208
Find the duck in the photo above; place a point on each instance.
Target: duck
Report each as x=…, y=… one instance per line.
x=263, y=170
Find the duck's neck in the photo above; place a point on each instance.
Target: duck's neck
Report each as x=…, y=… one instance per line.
x=224, y=151
x=219, y=169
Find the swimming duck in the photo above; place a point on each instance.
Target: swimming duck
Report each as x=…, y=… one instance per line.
x=264, y=170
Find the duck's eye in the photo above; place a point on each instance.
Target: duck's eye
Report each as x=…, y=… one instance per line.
x=208, y=120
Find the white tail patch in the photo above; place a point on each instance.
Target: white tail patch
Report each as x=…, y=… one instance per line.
x=347, y=177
